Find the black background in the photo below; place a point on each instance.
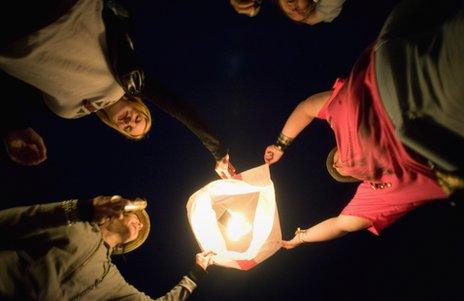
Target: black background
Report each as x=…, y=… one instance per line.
x=245, y=75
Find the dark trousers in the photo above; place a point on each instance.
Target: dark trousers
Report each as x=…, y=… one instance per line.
x=420, y=76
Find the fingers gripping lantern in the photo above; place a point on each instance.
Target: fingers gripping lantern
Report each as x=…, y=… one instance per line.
x=237, y=219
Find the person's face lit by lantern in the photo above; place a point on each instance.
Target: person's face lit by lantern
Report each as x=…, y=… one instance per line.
x=297, y=10
x=126, y=228
x=129, y=116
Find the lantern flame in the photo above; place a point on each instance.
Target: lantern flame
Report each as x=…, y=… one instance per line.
x=237, y=226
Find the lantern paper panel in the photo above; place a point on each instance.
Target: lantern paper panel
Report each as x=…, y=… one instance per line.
x=237, y=219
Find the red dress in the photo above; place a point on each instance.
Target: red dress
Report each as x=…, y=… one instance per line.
x=394, y=182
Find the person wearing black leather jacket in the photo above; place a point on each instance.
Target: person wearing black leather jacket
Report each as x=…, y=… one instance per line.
x=78, y=56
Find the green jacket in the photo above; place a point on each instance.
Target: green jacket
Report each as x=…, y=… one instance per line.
x=42, y=257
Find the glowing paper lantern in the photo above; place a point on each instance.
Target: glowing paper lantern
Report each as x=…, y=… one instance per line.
x=237, y=219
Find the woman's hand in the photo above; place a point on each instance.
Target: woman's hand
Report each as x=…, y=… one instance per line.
x=25, y=147
x=224, y=168
x=272, y=154
x=295, y=241
x=204, y=259
x=246, y=7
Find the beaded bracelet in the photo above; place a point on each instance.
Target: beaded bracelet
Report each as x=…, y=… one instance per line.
x=300, y=233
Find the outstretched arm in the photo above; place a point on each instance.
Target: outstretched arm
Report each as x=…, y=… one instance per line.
x=121, y=290
x=23, y=144
x=300, y=118
x=187, y=115
x=174, y=106
x=328, y=229
x=19, y=221
x=304, y=113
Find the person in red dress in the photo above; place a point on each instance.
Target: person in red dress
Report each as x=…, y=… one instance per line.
x=394, y=179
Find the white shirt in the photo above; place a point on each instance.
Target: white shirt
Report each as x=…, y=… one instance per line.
x=329, y=9
x=67, y=61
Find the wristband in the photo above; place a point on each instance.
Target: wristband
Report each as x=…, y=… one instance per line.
x=197, y=274
x=283, y=142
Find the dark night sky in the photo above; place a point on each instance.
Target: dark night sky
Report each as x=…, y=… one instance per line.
x=245, y=75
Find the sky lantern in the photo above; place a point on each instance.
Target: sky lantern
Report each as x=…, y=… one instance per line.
x=237, y=219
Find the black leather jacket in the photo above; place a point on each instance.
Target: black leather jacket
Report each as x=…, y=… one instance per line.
x=134, y=81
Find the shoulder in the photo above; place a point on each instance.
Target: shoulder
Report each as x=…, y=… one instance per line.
x=323, y=100
x=328, y=10
x=317, y=102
